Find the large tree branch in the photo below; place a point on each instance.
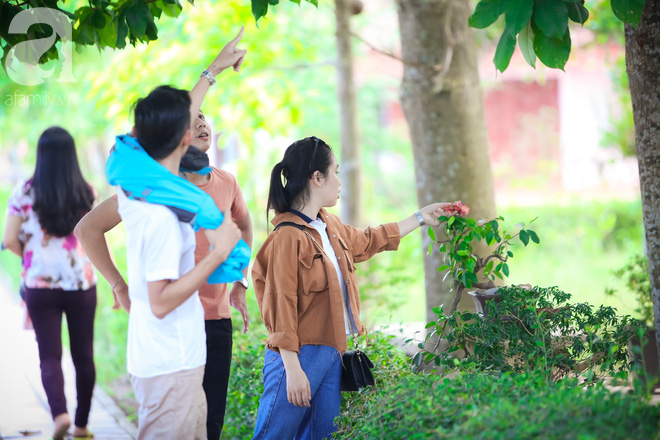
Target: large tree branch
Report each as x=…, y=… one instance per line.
x=449, y=51
x=390, y=54
x=495, y=256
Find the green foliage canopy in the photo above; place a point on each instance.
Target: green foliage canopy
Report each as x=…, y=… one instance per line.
x=101, y=23
x=260, y=7
x=267, y=96
x=541, y=27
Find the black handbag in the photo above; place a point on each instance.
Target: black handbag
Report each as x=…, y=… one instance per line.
x=356, y=366
x=356, y=371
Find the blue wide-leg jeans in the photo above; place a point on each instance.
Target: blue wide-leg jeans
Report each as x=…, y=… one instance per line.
x=280, y=420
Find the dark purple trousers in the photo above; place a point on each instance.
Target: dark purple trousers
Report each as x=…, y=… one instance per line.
x=46, y=307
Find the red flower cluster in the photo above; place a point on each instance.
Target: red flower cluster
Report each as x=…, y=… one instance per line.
x=457, y=208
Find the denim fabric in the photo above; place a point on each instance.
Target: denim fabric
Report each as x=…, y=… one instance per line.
x=280, y=420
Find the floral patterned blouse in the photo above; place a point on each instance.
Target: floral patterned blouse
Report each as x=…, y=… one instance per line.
x=48, y=262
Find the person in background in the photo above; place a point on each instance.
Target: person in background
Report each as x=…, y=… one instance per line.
x=57, y=276
x=305, y=283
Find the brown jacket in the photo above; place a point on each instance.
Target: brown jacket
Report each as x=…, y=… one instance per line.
x=297, y=287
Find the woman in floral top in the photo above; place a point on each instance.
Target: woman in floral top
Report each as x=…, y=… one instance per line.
x=57, y=275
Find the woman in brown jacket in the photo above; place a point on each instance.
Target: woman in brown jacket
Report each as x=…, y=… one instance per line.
x=304, y=279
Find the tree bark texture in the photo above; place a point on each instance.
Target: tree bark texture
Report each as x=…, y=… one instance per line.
x=349, y=169
x=442, y=100
x=643, y=66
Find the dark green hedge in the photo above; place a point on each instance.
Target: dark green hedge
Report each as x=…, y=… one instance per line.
x=495, y=406
x=472, y=405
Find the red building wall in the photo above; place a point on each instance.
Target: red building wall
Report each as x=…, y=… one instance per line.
x=522, y=121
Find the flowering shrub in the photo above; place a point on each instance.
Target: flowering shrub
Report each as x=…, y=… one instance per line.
x=462, y=263
x=458, y=208
x=528, y=328
x=467, y=268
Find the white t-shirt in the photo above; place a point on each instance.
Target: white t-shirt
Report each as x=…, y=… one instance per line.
x=159, y=247
x=327, y=247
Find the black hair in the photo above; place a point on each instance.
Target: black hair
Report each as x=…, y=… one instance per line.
x=61, y=195
x=161, y=120
x=301, y=160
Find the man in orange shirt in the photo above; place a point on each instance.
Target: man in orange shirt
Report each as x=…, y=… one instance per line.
x=216, y=299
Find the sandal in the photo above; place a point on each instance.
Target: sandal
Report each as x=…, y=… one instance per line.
x=89, y=436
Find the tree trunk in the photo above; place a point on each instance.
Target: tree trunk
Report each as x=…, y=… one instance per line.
x=643, y=66
x=351, y=202
x=442, y=100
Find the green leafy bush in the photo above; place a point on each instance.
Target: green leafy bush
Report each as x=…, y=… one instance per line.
x=478, y=405
x=245, y=381
x=536, y=329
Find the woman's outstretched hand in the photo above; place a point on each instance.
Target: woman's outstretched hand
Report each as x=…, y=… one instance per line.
x=432, y=212
x=429, y=214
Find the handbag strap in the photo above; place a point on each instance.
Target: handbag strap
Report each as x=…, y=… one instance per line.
x=343, y=300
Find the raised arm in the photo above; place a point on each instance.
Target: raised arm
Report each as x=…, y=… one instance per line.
x=365, y=243
x=229, y=56
x=91, y=230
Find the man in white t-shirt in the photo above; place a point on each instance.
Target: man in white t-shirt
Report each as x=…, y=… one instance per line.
x=166, y=349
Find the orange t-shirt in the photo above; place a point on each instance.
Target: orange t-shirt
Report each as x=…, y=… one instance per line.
x=226, y=194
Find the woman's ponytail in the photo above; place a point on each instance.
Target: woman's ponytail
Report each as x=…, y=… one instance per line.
x=277, y=200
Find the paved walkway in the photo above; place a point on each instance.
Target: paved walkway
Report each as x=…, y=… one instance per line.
x=23, y=404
